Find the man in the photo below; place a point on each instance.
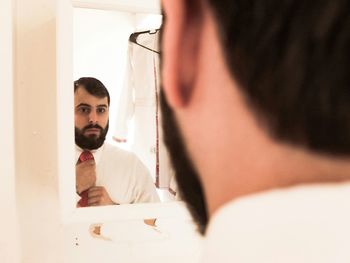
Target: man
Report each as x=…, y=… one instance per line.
x=257, y=97
x=105, y=174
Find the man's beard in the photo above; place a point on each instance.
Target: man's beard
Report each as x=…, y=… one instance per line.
x=92, y=142
x=190, y=187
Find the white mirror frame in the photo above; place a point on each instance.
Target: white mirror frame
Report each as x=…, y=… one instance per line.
x=65, y=122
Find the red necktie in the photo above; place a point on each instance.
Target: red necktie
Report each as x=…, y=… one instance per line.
x=84, y=156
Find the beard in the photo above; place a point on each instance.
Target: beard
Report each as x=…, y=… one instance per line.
x=190, y=187
x=91, y=142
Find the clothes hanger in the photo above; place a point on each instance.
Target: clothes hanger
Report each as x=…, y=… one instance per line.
x=133, y=38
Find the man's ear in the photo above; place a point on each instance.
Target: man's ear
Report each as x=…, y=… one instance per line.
x=180, y=48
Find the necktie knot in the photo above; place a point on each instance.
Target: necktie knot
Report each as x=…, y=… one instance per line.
x=86, y=156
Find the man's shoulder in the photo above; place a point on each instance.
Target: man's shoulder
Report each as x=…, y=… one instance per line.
x=286, y=206
x=278, y=225
x=113, y=151
x=112, y=148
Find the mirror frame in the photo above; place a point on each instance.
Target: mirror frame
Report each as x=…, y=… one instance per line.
x=65, y=122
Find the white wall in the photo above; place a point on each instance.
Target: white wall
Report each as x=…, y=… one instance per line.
x=9, y=246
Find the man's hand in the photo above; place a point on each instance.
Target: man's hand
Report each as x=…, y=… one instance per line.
x=85, y=173
x=98, y=195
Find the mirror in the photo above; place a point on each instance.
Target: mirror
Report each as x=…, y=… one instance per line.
x=120, y=50
x=65, y=121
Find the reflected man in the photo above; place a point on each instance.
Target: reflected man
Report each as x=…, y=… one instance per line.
x=105, y=174
x=256, y=98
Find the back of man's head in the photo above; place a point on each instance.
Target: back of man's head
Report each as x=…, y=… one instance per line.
x=292, y=60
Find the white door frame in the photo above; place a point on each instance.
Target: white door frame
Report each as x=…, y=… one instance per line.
x=9, y=240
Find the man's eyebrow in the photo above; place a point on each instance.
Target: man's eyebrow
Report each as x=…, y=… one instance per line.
x=102, y=106
x=83, y=105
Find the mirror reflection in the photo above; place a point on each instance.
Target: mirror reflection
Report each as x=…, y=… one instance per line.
x=120, y=155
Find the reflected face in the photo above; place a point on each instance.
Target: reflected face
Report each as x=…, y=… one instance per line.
x=91, y=119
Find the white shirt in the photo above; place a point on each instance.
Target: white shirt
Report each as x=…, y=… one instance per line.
x=123, y=175
x=300, y=224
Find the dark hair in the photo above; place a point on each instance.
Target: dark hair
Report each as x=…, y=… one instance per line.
x=190, y=187
x=291, y=59
x=92, y=86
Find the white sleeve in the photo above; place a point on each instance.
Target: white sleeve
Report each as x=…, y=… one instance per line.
x=145, y=190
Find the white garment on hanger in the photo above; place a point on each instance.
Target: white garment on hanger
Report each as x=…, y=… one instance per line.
x=138, y=102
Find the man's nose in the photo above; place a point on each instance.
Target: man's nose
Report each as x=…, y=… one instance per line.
x=93, y=117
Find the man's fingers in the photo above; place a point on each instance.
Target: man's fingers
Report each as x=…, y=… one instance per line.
x=96, y=189
x=94, y=200
x=93, y=191
x=98, y=195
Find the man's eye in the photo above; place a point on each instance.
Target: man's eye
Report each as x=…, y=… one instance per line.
x=101, y=110
x=84, y=110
